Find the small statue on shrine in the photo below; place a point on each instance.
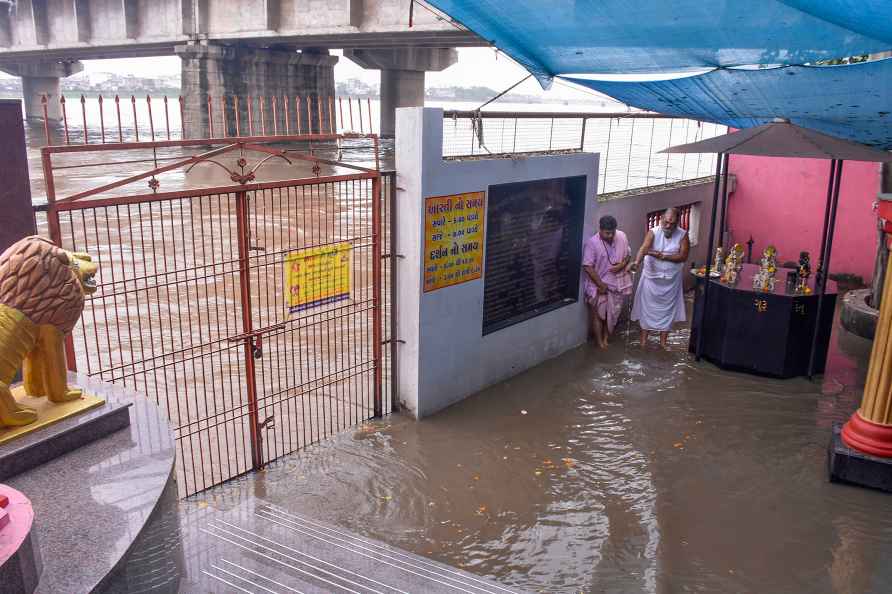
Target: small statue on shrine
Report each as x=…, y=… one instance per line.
x=804, y=271
x=733, y=264
x=763, y=280
x=719, y=262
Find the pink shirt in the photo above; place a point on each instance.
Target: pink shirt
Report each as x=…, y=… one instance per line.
x=601, y=256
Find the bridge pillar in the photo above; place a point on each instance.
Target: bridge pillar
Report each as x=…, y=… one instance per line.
x=218, y=70
x=402, y=76
x=39, y=79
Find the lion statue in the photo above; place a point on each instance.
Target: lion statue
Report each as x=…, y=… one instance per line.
x=42, y=289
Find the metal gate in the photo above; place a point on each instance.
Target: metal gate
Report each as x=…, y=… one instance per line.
x=192, y=308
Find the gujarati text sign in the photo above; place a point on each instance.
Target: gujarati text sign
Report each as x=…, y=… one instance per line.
x=318, y=275
x=453, y=239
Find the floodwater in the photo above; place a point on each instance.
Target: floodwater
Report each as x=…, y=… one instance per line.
x=621, y=471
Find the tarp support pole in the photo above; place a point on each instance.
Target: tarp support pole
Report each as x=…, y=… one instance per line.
x=721, y=162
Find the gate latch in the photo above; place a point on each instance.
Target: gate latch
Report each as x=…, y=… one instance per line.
x=268, y=423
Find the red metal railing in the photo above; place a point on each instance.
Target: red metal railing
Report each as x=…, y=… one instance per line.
x=684, y=217
x=98, y=122
x=191, y=308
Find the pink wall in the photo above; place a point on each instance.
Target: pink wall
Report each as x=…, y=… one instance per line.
x=781, y=201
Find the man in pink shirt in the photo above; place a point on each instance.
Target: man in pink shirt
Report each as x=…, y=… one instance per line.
x=607, y=283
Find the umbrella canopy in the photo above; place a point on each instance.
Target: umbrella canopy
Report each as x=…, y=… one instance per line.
x=783, y=139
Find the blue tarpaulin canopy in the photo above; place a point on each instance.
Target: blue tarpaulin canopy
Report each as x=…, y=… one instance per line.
x=554, y=37
x=852, y=101
x=576, y=38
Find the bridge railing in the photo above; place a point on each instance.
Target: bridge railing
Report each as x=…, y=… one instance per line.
x=97, y=119
x=629, y=142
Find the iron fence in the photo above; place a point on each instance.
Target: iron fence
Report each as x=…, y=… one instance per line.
x=100, y=120
x=629, y=143
x=192, y=309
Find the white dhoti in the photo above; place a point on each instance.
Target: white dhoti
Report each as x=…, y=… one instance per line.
x=659, y=303
x=659, y=300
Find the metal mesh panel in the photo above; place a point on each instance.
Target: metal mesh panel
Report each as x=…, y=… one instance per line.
x=167, y=303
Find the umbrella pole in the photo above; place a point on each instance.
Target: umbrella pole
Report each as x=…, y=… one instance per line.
x=830, y=183
x=721, y=162
x=724, y=202
x=821, y=282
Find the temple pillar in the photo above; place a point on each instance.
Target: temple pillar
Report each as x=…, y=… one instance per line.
x=237, y=71
x=861, y=451
x=43, y=78
x=402, y=76
x=870, y=428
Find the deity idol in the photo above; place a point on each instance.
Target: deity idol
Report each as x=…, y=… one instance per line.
x=804, y=272
x=733, y=264
x=763, y=280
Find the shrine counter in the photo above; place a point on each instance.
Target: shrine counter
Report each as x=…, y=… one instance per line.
x=759, y=332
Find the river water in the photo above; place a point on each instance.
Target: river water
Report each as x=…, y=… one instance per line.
x=629, y=149
x=618, y=471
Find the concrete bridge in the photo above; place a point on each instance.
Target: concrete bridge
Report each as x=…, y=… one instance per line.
x=231, y=47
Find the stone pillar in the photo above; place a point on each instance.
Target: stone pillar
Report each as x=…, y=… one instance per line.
x=43, y=78
x=6, y=19
x=402, y=76
x=248, y=73
x=16, y=212
x=399, y=88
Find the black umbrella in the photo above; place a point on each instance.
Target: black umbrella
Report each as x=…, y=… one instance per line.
x=781, y=139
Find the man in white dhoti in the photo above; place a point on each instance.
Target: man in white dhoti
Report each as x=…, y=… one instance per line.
x=659, y=301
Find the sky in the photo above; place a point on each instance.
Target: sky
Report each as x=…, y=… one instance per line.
x=475, y=67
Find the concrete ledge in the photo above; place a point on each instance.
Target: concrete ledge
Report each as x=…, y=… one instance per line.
x=685, y=183
x=846, y=465
x=856, y=316
x=48, y=443
x=98, y=508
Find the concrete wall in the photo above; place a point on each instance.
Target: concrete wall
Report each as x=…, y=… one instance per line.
x=445, y=357
x=631, y=208
x=781, y=201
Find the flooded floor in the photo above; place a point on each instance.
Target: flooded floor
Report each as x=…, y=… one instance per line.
x=622, y=471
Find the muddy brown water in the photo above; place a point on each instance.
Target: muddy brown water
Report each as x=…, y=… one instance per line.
x=624, y=471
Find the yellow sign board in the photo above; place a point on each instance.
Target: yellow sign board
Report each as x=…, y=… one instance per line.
x=318, y=275
x=453, y=239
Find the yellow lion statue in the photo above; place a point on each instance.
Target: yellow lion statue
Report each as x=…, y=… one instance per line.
x=42, y=290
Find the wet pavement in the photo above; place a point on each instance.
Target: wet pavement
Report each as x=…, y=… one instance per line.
x=628, y=470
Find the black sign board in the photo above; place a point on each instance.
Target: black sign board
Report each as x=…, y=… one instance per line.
x=533, y=249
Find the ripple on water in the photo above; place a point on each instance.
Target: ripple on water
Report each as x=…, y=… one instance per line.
x=632, y=471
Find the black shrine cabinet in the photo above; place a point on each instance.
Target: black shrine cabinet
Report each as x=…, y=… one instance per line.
x=762, y=333
x=533, y=249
